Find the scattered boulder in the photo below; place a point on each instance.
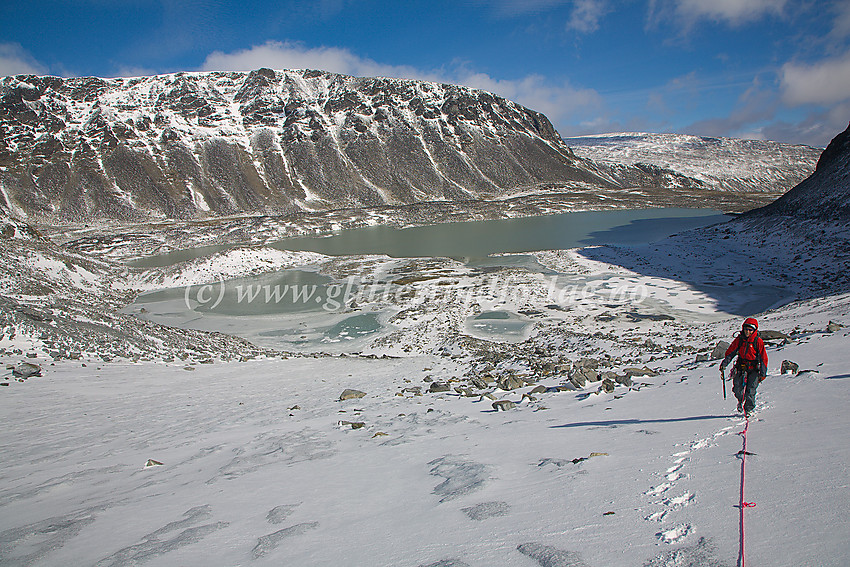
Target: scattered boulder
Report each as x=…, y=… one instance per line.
x=352, y=424
x=703, y=358
x=789, y=367
x=539, y=390
x=152, y=463
x=588, y=363
x=607, y=386
x=773, y=335
x=503, y=405
x=439, y=387
x=510, y=383
x=581, y=375
x=834, y=327
x=623, y=379
x=349, y=394
x=719, y=351
x=578, y=380
x=26, y=370
x=465, y=391
x=632, y=372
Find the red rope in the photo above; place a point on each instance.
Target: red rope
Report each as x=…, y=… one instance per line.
x=743, y=505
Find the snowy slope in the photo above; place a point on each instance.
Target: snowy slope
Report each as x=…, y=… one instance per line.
x=263, y=465
x=260, y=468
x=733, y=164
x=195, y=448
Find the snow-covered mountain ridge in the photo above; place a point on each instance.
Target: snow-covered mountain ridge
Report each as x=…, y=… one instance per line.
x=272, y=142
x=201, y=145
x=729, y=163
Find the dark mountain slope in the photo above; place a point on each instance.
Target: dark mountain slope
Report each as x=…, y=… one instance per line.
x=825, y=195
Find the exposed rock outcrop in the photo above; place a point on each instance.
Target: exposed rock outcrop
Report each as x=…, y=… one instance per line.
x=824, y=195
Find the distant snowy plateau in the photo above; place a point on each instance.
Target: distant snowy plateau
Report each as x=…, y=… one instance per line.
x=598, y=435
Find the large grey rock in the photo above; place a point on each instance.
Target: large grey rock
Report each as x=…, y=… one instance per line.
x=719, y=351
x=580, y=375
x=349, y=394
x=623, y=379
x=834, y=327
x=26, y=370
x=510, y=383
x=768, y=335
x=645, y=371
x=503, y=405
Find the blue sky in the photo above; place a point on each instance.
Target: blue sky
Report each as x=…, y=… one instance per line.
x=766, y=69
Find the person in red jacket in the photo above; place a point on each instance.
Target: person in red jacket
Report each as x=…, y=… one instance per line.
x=750, y=368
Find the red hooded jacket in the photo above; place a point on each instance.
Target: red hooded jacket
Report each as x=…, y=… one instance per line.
x=749, y=350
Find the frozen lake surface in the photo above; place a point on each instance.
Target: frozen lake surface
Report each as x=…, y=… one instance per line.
x=494, y=280
x=477, y=239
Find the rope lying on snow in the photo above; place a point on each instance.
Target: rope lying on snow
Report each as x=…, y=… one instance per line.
x=743, y=505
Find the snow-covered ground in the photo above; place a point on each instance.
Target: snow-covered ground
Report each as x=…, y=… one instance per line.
x=261, y=464
x=725, y=162
x=260, y=468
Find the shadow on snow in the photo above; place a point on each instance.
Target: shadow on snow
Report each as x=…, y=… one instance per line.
x=619, y=422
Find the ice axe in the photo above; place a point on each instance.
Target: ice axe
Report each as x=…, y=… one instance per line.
x=723, y=380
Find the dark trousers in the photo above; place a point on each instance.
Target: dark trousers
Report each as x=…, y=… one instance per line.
x=744, y=385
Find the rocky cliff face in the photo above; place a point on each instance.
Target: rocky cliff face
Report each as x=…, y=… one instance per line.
x=825, y=195
x=195, y=145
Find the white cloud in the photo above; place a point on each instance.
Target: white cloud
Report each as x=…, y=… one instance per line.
x=734, y=12
x=510, y=8
x=286, y=55
x=825, y=82
x=556, y=101
x=816, y=129
x=130, y=71
x=586, y=15
x=15, y=60
x=841, y=21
